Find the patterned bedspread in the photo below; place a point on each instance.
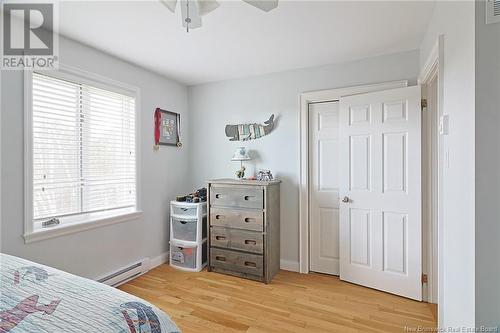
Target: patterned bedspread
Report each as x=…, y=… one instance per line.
x=36, y=298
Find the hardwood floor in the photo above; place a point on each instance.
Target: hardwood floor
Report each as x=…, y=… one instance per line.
x=292, y=302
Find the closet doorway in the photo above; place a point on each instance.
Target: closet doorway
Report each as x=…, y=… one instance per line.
x=362, y=203
x=324, y=187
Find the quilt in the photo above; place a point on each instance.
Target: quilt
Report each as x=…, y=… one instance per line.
x=38, y=298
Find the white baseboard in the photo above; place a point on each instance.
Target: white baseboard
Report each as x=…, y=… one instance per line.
x=158, y=260
x=289, y=265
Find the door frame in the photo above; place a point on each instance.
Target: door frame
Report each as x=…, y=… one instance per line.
x=432, y=262
x=306, y=98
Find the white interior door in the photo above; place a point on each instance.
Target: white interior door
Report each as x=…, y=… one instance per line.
x=380, y=186
x=324, y=187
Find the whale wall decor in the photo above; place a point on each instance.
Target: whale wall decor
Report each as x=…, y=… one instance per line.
x=247, y=132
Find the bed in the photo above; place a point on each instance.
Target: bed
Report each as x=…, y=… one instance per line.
x=37, y=298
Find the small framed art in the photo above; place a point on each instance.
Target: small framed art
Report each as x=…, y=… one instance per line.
x=167, y=128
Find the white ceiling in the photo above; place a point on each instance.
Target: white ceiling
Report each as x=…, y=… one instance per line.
x=238, y=40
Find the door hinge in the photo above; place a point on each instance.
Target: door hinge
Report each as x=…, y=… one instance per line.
x=423, y=104
x=424, y=278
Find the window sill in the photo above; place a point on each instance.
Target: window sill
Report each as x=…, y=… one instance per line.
x=91, y=221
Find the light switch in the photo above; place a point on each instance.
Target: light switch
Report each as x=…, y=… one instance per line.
x=444, y=125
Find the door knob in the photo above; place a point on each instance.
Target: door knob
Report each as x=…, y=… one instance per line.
x=345, y=199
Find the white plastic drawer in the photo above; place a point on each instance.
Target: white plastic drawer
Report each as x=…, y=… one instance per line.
x=183, y=256
x=185, y=210
x=187, y=229
x=188, y=257
x=184, y=229
x=188, y=210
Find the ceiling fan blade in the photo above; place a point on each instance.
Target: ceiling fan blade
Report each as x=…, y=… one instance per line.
x=170, y=4
x=265, y=5
x=206, y=6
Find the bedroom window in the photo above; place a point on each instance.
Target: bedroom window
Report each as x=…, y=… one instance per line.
x=83, y=152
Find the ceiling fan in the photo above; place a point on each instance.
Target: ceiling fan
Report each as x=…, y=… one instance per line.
x=193, y=10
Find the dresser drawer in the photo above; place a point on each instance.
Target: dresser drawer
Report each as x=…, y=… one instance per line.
x=237, y=196
x=241, y=219
x=237, y=261
x=237, y=239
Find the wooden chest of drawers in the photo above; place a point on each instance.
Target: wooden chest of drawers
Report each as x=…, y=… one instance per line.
x=244, y=220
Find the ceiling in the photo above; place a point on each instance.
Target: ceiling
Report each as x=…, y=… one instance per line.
x=238, y=40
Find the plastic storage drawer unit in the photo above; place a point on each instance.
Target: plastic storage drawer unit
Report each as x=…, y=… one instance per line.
x=188, y=235
x=188, y=257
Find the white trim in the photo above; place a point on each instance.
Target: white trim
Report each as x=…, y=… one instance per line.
x=66, y=229
x=28, y=153
x=434, y=67
x=431, y=66
x=73, y=73
x=1, y=108
x=429, y=190
x=78, y=75
x=159, y=260
x=305, y=99
x=289, y=265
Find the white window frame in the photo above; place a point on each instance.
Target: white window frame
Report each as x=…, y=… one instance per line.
x=84, y=221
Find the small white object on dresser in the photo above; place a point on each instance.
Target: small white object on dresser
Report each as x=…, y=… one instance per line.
x=188, y=235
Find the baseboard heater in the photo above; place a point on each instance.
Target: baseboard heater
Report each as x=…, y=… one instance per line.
x=126, y=274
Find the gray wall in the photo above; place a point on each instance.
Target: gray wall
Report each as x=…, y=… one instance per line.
x=487, y=170
x=101, y=250
x=455, y=20
x=254, y=99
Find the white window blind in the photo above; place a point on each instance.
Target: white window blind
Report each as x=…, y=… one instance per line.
x=83, y=148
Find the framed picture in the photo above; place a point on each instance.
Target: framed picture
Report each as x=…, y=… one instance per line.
x=167, y=128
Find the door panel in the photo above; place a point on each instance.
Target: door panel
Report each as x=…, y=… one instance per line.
x=359, y=236
x=359, y=162
x=359, y=114
x=329, y=233
x=324, y=187
x=395, y=111
x=328, y=165
x=380, y=224
x=395, y=242
x=394, y=162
